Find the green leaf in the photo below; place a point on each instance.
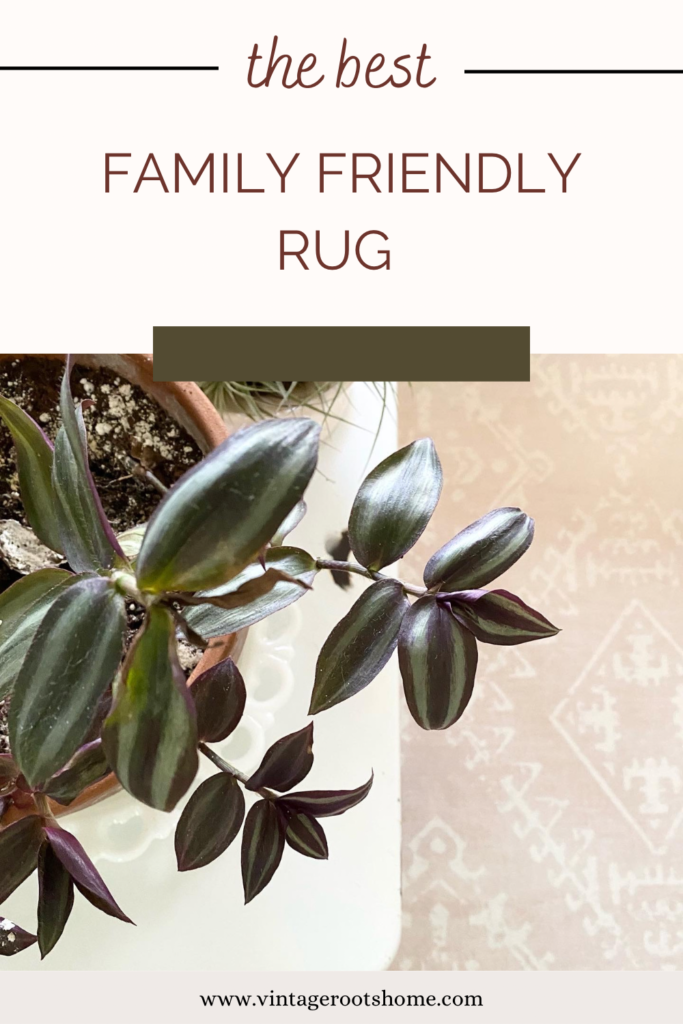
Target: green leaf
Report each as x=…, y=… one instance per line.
x=394, y=504
x=220, y=514
x=482, y=551
x=263, y=842
x=150, y=737
x=219, y=696
x=306, y=835
x=210, y=621
x=87, y=538
x=359, y=646
x=499, y=617
x=73, y=658
x=286, y=763
x=87, y=766
x=20, y=844
x=22, y=608
x=438, y=659
x=325, y=803
x=34, y=465
x=210, y=822
x=55, y=900
x=14, y=939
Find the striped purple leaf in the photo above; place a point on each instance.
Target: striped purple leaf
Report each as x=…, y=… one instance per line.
x=499, y=617
x=438, y=659
x=286, y=763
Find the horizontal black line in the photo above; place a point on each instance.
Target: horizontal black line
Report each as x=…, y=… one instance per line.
x=575, y=71
x=100, y=67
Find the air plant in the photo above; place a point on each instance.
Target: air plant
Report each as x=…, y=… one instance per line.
x=213, y=560
x=261, y=399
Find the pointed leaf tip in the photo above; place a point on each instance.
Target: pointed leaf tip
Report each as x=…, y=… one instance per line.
x=394, y=504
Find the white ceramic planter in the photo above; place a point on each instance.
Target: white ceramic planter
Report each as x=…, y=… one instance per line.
x=342, y=914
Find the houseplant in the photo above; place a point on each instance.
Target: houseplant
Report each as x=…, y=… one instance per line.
x=212, y=560
x=177, y=407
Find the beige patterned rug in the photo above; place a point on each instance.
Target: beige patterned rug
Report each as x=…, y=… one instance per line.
x=544, y=831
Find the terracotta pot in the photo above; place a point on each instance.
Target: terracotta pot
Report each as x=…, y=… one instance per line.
x=192, y=410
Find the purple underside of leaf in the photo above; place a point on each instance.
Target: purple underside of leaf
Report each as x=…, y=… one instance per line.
x=85, y=875
x=252, y=589
x=255, y=596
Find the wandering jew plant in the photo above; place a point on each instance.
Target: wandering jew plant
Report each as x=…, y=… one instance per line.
x=213, y=560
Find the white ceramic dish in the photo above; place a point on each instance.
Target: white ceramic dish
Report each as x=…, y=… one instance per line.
x=342, y=914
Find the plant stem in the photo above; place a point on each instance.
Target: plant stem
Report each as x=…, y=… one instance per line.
x=43, y=805
x=138, y=470
x=360, y=570
x=229, y=769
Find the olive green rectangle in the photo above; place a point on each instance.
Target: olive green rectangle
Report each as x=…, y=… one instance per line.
x=342, y=353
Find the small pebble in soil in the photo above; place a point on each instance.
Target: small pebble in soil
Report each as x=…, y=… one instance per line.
x=4, y=738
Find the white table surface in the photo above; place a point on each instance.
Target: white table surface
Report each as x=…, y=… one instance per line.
x=342, y=914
